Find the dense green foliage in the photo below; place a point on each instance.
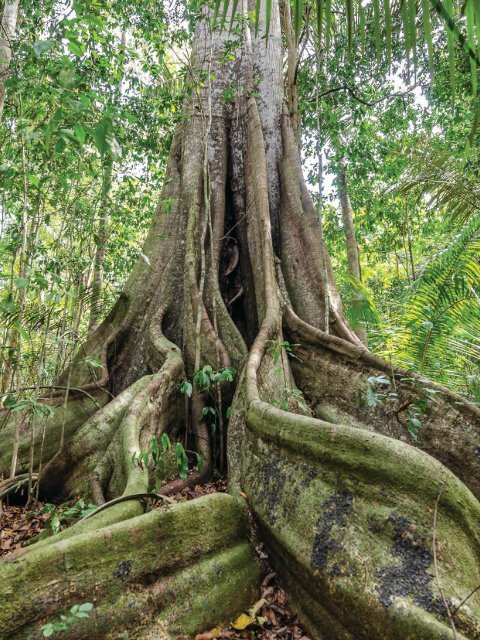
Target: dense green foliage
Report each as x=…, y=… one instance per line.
x=93, y=95
x=92, y=100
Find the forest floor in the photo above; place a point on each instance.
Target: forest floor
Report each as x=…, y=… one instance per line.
x=268, y=619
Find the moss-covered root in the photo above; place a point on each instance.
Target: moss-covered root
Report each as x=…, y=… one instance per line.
x=166, y=572
x=348, y=518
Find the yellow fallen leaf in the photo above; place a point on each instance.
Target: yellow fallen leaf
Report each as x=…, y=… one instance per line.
x=242, y=622
x=244, y=495
x=215, y=632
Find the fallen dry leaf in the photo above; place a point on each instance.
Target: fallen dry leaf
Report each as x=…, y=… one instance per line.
x=243, y=621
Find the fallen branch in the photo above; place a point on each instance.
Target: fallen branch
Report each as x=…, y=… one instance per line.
x=133, y=496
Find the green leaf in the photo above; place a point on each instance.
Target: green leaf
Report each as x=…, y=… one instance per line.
x=350, y=23
x=470, y=13
x=451, y=49
x=21, y=283
x=80, y=134
x=199, y=463
x=22, y=332
x=388, y=29
x=319, y=8
x=186, y=388
x=166, y=444
x=427, y=29
x=66, y=77
x=412, y=15
x=76, y=48
x=182, y=461
x=298, y=16
x=376, y=28
x=42, y=46
x=328, y=24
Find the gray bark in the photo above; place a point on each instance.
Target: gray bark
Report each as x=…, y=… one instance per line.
x=7, y=32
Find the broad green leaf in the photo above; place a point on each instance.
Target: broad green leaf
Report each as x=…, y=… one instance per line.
x=412, y=19
x=21, y=283
x=42, y=46
x=76, y=48
x=350, y=19
x=80, y=134
x=328, y=24
x=66, y=77
x=320, y=18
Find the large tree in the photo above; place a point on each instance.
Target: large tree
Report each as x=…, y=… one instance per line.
x=374, y=534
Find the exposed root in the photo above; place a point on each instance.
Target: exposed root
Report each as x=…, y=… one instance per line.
x=142, y=565
x=12, y=484
x=334, y=376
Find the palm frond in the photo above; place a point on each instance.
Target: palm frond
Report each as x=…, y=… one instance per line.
x=443, y=183
x=417, y=19
x=445, y=301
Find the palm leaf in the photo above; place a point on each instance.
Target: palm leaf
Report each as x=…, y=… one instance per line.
x=388, y=30
x=298, y=16
x=427, y=29
x=376, y=28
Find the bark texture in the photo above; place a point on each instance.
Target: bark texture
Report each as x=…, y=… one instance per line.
x=7, y=32
x=343, y=498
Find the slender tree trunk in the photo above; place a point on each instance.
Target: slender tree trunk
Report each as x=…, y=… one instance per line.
x=100, y=248
x=409, y=243
x=7, y=33
x=353, y=253
x=291, y=75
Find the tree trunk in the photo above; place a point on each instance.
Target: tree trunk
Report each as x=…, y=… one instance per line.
x=100, y=248
x=341, y=496
x=353, y=253
x=7, y=32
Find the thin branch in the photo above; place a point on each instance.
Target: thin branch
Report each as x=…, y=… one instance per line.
x=367, y=103
x=473, y=592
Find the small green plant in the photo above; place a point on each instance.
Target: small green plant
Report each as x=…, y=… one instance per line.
x=208, y=376
x=207, y=379
x=276, y=348
x=376, y=386
x=27, y=404
x=76, y=613
x=64, y=514
x=416, y=413
x=154, y=456
x=294, y=396
x=377, y=393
